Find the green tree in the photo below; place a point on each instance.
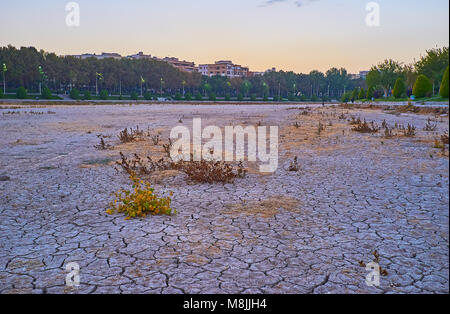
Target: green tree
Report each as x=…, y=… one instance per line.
x=384, y=75
x=399, y=88
x=147, y=96
x=423, y=87
x=355, y=94
x=133, y=96
x=75, y=94
x=240, y=97
x=246, y=86
x=46, y=93
x=21, y=93
x=1, y=93
x=444, y=85
x=370, y=91
x=433, y=65
x=212, y=96
x=198, y=96
x=362, y=94
x=178, y=96
x=188, y=97
x=104, y=94
x=346, y=97
x=87, y=95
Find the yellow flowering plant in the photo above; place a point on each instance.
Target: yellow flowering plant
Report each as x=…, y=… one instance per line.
x=140, y=202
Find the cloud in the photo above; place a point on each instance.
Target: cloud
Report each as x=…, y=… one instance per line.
x=297, y=3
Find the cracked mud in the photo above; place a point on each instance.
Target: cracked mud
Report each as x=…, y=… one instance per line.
x=289, y=232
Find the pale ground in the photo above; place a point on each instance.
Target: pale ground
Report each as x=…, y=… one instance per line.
x=289, y=232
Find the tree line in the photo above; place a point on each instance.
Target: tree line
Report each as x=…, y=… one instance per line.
x=29, y=69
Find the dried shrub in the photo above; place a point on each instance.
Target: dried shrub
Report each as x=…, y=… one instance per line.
x=133, y=135
x=211, y=171
x=364, y=127
x=156, y=139
x=197, y=171
x=294, y=166
x=102, y=145
x=410, y=131
x=320, y=128
x=167, y=147
x=140, y=202
x=430, y=126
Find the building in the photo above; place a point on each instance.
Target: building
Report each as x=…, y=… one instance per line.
x=363, y=74
x=104, y=55
x=181, y=65
x=140, y=55
x=224, y=68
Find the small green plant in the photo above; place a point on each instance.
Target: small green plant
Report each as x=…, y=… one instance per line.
x=399, y=89
x=140, y=202
x=46, y=93
x=104, y=94
x=74, y=94
x=188, y=97
x=87, y=95
x=21, y=93
x=134, y=96
x=198, y=96
x=444, y=85
x=423, y=87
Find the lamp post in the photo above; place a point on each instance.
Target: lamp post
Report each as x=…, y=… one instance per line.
x=4, y=82
x=98, y=76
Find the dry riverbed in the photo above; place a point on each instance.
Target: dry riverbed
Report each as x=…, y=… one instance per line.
x=305, y=231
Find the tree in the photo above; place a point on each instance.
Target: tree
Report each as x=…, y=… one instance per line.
x=46, y=93
x=1, y=93
x=212, y=96
x=198, y=96
x=75, y=94
x=133, y=96
x=444, y=85
x=423, y=87
x=370, y=91
x=188, y=97
x=346, y=97
x=246, y=86
x=355, y=94
x=433, y=65
x=21, y=93
x=399, y=88
x=104, y=94
x=362, y=94
x=178, y=96
x=147, y=96
x=384, y=75
x=87, y=95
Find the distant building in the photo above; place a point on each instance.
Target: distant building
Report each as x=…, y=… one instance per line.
x=363, y=74
x=139, y=55
x=181, y=65
x=224, y=68
x=104, y=55
x=360, y=75
x=271, y=70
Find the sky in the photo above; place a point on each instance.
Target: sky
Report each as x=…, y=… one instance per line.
x=291, y=35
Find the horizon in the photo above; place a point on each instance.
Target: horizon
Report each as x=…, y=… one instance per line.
x=167, y=29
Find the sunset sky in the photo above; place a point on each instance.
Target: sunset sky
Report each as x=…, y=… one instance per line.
x=298, y=35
